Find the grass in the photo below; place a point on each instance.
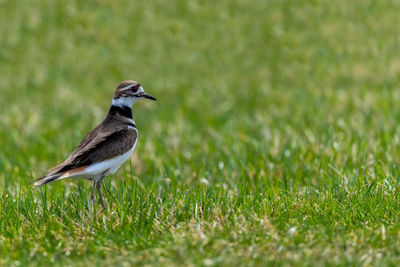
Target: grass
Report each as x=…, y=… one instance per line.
x=275, y=139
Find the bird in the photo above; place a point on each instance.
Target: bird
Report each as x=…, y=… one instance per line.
x=105, y=148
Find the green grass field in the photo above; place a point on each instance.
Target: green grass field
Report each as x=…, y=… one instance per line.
x=275, y=139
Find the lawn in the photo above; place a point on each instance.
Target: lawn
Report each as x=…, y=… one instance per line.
x=274, y=140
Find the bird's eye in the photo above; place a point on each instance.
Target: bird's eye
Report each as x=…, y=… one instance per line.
x=134, y=88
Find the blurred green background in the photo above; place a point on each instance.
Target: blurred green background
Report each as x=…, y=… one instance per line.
x=261, y=100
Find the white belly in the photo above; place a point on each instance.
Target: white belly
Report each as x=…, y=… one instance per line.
x=97, y=170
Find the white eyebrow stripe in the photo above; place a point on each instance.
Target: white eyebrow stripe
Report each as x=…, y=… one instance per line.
x=126, y=87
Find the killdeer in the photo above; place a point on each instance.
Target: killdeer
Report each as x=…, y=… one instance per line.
x=107, y=146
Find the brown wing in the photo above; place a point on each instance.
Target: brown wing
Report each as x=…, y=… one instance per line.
x=115, y=145
x=100, y=144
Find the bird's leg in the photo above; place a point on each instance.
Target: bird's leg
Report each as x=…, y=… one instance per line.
x=93, y=192
x=98, y=185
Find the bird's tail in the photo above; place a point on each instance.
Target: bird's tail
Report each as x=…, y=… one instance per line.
x=47, y=179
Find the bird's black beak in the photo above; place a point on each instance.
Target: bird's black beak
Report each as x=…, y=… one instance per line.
x=149, y=96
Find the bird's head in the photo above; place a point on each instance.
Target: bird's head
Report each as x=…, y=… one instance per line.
x=128, y=92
